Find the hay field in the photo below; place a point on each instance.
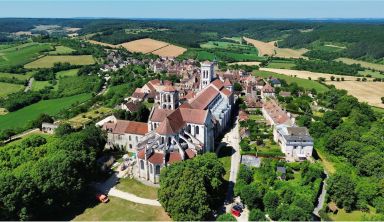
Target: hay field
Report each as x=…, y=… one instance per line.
x=246, y=63
x=306, y=74
x=146, y=45
x=370, y=92
x=170, y=51
x=103, y=44
x=9, y=88
x=364, y=64
x=269, y=48
x=49, y=61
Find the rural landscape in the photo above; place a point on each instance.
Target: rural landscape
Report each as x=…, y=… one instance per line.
x=107, y=119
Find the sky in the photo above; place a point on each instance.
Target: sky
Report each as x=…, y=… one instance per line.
x=246, y=9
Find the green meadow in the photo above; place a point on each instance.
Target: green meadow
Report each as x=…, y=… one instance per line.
x=49, y=61
x=305, y=83
x=21, y=118
x=8, y=88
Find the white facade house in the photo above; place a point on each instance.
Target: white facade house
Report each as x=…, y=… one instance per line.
x=295, y=142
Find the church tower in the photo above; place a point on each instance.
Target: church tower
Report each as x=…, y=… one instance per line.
x=169, y=98
x=207, y=74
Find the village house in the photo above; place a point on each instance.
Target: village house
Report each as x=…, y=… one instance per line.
x=267, y=91
x=48, y=128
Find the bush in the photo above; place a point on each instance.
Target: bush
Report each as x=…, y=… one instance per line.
x=226, y=217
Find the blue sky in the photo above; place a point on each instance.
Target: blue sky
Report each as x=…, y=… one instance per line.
x=271, y=9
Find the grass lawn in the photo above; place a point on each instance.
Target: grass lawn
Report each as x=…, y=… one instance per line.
x=16, y=76
x=84, y=118
x=135, y=187
x=48, y=61
x=123, y=210
x=355, y=215
x=8, y=88
x=60, y=50
x=39, y=85
x=21, y=54
x=224, y=156
x=256, y=117
x=67, y=73
x=378, y=110
x=21, y=117
x=329, y=167
x=305, y=83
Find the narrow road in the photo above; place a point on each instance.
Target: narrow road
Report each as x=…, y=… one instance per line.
x=25, y=133
x=232, y=138
x=29, y=86
x=321, y=198
x=108, y=187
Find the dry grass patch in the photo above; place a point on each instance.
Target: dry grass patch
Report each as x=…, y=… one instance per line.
x=3, y=111
x=103, y=44
x=370, y=92
x=170, y=51
x=269, y=48
x=146, y=45
x=308, y=74
x=85, y=118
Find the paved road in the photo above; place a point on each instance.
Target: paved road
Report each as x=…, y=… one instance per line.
x=25, y=133
x=108, y=187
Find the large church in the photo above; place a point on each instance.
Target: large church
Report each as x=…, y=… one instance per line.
x=179, y=131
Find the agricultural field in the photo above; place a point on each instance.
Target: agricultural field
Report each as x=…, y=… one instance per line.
x=371, y=73
x=269, y=48
x=60, y=50
x=49, y=61
x=122, y=210
x=103, y=44
x=22, y=54
x=144, y=45
x=39, y=85
x=67, y=73
x=21, y=117
x=308, y=74
x=16, y=76
x=369, y=92
x=368, y=65
x=281, y=64
x=8, y=88
x=156, y=47
x=170, y=51
x=235, y=39
x=305, y=83
x=84, y=118
x=245, y=63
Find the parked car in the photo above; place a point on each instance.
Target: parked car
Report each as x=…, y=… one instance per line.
x=235, y=212
x=102, y=198
x=239, y=207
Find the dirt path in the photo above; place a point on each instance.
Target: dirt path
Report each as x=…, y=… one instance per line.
x=29, y=86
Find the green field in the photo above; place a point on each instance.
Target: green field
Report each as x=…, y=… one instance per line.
x=122, y=210
x=355, y=215
x=281, y=64
x=20, y=118
x=67, y=73
x=364, y=64
x=305, y=83
x=236, y=39
x=39, y=85
x=21, y=54
x=374, y=74
x=61, y=50
x=49, y=61
x=8, y=88
x=16, y=76
x=135, y=187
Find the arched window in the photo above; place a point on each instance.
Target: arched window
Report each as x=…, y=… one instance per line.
x=196, y=129
x=162, y=140
x=164, y=106
x=157, y=169
x=151, y=169
x=168, y=98
x=169, y=140
x=189, y=128
x=142, y=164
x=164, y=98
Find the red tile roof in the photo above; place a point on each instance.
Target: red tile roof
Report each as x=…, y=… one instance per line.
x=190, y=153
x=227, y=82
x=156, y=158
x=123, y=126
x=159, y=115
x=174, y=157
x=203, y=99
x=268, y=88
x=226, y=92
x=141, y=154
x=169, y=88
x=218, y=84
